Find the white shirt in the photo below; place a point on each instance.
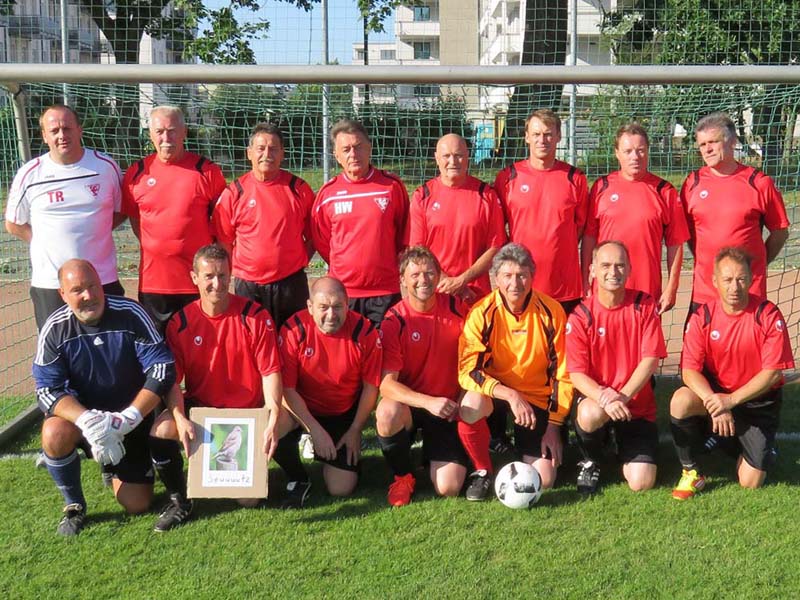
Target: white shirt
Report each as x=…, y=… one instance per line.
x=71, y=210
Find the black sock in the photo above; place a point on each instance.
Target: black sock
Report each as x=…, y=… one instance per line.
x=591, y=443
x=498, y=420
x=66, y=472
x=287, y=455
x=397, y=452
x=689, y=436
x=168, y=461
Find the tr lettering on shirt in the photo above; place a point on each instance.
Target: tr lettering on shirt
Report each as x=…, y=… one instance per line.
x=55, y=196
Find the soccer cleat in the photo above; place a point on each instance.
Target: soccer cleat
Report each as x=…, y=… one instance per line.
x=401, y=490
x=72, y=521
x=689, y=484
x=588, y=477
x=500, y=445
x=296, y=494
x=480, y=483
x=176, y=512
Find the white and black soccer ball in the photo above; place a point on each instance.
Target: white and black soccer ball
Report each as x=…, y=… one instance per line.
x=518, y=485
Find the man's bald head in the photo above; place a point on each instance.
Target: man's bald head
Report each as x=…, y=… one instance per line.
x=328, y=304
x=452, y=158
x=81, y=290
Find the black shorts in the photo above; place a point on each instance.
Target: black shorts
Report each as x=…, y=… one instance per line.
x=374, y=307
x=570, y=305
x=440, y=441
x=756, y=425
x=281, y=298
x=137, y=465
x=46, y=300
x=528, y=442
x=637, y=440
x=337, y=426
x=161, y=307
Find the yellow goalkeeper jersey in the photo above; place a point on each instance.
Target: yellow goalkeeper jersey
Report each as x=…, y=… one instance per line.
x=525, y=352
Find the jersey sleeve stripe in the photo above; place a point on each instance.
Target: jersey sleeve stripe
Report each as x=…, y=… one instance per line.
x=120, y=303
x=61, y=315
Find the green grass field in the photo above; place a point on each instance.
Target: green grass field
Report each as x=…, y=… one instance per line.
x=727, y=543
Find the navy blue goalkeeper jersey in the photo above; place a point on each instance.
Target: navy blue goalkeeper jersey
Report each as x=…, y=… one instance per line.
x=105, y=365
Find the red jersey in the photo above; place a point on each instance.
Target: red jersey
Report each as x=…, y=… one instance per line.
x=173, y=203
x=607, y=344
x=223, y=358
x=359, y=228
x=457, y=224
x=730, y=211
x=423, y=347
x=328, y=370
x=546, y=213
x=266, y=222
x=639, y=214
x=731, y=349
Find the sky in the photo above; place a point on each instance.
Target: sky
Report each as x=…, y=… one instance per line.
x=295, y=37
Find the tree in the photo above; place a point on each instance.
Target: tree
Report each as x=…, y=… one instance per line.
x=716, y=32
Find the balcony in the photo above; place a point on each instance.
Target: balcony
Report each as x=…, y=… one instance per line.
x=416, y=29
x=31, y=26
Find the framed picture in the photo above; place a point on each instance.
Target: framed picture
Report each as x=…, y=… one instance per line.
x=227, y=458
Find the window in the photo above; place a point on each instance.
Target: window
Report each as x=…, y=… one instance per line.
x=360, y=55
x=426, y=90
x=422, y=50
x=422, y=13
x=387, y=54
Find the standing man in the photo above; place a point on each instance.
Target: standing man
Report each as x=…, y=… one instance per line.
x=169, y=196
x=227, y=356
x=734, y=350
x=513, y=349
x=263, y=220
x=100, y=370
x=420, y=387
x=65, y=204
x=331, y=373
x=729, y=204
x=614, y=343
x=545, y=203
x=359, y=224
x=459, y=218
x=640, y=210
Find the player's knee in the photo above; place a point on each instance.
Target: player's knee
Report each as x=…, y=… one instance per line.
x=59, y=436
x=590, y=416
x=474, y=407
x=642, y=482
x=547, y=472
x=341, y=484
x=684, y=403
x=390, y=417
x=135, y=504
x=751, y=478
x=448, y=488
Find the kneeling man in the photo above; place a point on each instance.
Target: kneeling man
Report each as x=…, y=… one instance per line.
x=734, y=350
x=331, y=373
x=420, y=386
x=614, y=342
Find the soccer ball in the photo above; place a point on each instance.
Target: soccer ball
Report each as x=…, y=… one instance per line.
x=518, y=485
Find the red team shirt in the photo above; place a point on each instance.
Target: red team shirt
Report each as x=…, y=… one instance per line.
x=457, y=224
x=268, y=221
x=223, y=358
x=546, y=212
x=732, y=349
x=359, y=228
x=174, y=203
x=640, y=214
x=328, y=370
x=730, y=211
x=423, y=347
x=607, y=344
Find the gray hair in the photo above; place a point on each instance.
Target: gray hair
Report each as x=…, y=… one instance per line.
x=513, y=253
x=265, y=128
x=718, y=120
x=166, y=110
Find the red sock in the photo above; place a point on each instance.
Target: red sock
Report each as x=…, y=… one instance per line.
x=475, y=438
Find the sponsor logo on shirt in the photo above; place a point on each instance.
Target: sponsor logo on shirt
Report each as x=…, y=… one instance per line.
x=715, y=335
x=151, y=182
x=415, y=336
x=524, y=188
x=703, y=194
x=94, y=188
x=97, y=341
x=308, y=352
x=269, y=324
x=341, y=193
x=614, y=197
x=342, y=208
x=779, y=325
x=198, y=340
x=519, y=332
x=601, y=331
x=251, y=203
x=436, y=206
x=382, y=203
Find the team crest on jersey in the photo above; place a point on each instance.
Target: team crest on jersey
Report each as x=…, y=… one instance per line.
x=415, y=336
x=268, y=322
x=251, y=203
x=601, y=331
x=779, y=325
x=308, y=352
x=568, y=328
x=436, y=206
x=614, y=197
x=715, y=335
x=378, y=343
x=382, y=203
x=198, y=340
x=524, y=188
x=151, y=182
x=94, y=188
x=703, y=194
